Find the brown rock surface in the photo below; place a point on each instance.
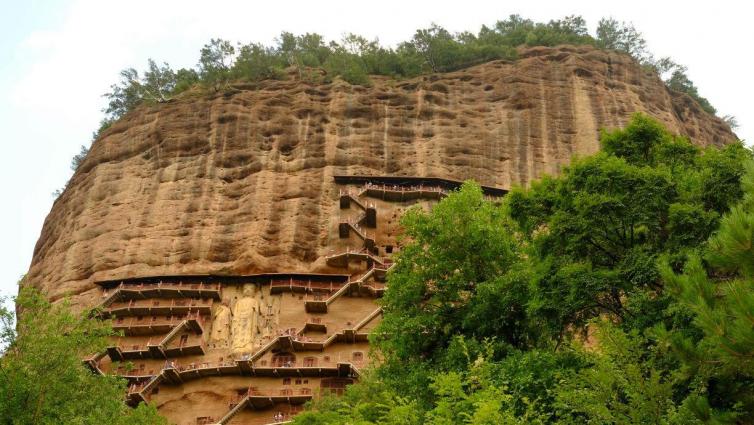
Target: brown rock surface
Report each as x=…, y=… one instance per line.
x=242, y=182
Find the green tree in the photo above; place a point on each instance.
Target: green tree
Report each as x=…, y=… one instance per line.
x=159, y=83
x=731, y=120
x=185, y=79
x=256, y=62
x=463, y=244
x=369, y=402
x=468, y=397
x=472, y=397
x=623, y=37
x=215, y=63
x=79, y=158
x=721, y=302
x=680, y=82
x=42, y=378
x=447, y=282
x=302, y=52
x=551, y=308
x=621, y=386
x=675, y=77
x=569, y=30
x=513, y=31
x=430, y=50
x=438, y=48
x=124, y=96
x=598, y=230
x=350, y=67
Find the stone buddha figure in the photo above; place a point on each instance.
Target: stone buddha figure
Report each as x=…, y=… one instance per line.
x=246, y=319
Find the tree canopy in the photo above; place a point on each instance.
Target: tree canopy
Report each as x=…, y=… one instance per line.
x=42, y=377
x=592, y=297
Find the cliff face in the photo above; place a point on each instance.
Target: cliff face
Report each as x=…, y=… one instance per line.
x=243, y=182
x=240, y=182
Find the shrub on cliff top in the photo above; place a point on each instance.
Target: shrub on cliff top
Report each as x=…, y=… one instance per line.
x=353, y=59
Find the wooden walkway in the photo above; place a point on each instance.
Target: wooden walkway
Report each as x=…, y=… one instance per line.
x=413, y=181
x=172, y=307
x=303, y=285
x=125, y=292
x=155, y=325
x=162, y=349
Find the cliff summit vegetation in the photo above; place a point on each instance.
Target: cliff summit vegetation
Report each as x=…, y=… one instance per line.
x=354, y=58
x=309, y=57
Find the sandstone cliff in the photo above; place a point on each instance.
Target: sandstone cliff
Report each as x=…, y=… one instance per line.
x=241, y=182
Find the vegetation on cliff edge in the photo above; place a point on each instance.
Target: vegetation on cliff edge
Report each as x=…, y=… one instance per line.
x=355, y=58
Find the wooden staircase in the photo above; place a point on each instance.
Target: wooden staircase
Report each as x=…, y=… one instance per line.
x=242, y=404
x=321, y=306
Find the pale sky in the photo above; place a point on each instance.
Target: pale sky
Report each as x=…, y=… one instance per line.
x=58, y=57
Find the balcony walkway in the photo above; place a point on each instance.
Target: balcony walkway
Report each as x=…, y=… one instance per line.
x=174, y=307
x=156, y=325
x=177, y=373
x=292, y=284
x=445, y=185
x=125, y=292
x=162, y=349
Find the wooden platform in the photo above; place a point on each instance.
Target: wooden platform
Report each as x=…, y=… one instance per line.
x=407, y=181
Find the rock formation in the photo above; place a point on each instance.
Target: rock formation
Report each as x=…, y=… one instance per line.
x=241, y=185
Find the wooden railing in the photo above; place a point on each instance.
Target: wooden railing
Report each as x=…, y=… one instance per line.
x=137, y=387
x=308, y=285
x=355, y=226
x=199, y=365
x=148, y=321
x=279, y=392
x=162, y=343
x=354, y=197
x=167, y=285
x=400, y=189
x=357, y=253
x=111, y=294
x=160, y=303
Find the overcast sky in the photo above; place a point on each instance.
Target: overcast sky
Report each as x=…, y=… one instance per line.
x=58, y=57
